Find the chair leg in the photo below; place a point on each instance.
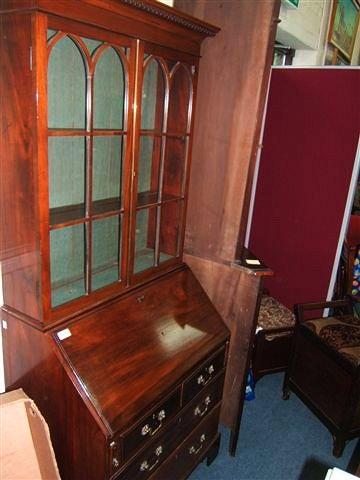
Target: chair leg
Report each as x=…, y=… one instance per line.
x=286, y=388
x=338, y=445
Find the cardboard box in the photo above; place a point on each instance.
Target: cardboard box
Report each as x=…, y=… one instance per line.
x=26, y=452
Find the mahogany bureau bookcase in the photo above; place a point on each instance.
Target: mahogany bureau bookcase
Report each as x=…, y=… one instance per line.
x=104, y=326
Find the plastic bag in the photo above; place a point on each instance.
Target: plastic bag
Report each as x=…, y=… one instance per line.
x=250, y=387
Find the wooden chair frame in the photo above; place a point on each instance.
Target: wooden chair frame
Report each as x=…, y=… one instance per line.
x=323, y=379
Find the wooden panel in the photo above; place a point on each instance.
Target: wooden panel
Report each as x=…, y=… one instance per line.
x=19, y=248
x=231, y=91
x=235, y=294
x=320, y=378
x=30, y=364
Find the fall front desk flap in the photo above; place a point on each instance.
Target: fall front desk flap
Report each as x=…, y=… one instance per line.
x=128, y=354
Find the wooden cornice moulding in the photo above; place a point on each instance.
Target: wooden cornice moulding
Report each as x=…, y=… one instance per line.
x=134, y=18
x=172, y=15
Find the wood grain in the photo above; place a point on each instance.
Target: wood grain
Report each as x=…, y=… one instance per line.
x=236, y=295
x=231, y=92
x=232, y=87
x=178, y=328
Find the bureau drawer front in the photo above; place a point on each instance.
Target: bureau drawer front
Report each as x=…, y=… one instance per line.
x=191, y=451
x=152, y=425
x=175, y=432
x=150, y=458
x=198, y=442
x=203, y=376
x=202, y=406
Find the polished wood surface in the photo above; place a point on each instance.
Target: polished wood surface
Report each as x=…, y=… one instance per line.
x=110, y=381
x=236, y=295
x=117, y=368
x=179, y=327
x=19, y=248
x=134, y=18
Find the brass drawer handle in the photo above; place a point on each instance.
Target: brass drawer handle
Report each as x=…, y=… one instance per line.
x=195, y=450
x=202, y=380
x=202, y=412
x=151, y=430
x=146, y=466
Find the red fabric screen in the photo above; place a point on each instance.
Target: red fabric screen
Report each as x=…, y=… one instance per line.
x=310, y=141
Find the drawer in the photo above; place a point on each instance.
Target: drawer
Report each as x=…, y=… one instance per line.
x=203, y=376
x=191, y=451
x=174, y=433
x=136, y=437
x=202, y=405
x=151, y=457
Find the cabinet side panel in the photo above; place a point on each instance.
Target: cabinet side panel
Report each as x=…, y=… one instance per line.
x=18, y=221
x=31, y=364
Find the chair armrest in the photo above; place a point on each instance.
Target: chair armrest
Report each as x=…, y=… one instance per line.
x=342, y=307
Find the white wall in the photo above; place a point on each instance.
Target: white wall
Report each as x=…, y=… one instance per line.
x=305, y=29
x=301, y=27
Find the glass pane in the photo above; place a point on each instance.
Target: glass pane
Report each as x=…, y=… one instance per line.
x=50, y=33
x=66, y=178
x=109, y=91
x=149, y=164
x=170, y=230
x=153, y=95
x=105, y=251
x=107, y=173
x=175, y=156
x=145, y=239
x=67, y=263
x=179, y=99
x=66, y=86
x=91, y=44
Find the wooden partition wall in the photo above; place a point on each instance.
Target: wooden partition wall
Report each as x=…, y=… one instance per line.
x=229, y=109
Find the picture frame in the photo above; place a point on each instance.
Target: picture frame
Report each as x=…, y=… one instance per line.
x=343, y=26
x=291, y=3
x=334, y=57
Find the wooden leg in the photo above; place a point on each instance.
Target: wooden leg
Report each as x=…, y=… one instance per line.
x=286, y=388
x=213, y=452
x=286, y=394
x=338, y=445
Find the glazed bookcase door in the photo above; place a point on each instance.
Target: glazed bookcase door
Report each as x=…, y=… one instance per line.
x=162, y=162
x=88, y=142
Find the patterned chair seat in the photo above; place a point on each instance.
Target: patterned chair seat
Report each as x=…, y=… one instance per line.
x=341, y=333
x=273, y=314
